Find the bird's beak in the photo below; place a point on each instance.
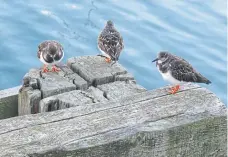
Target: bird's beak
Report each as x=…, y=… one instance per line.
x=155, y=60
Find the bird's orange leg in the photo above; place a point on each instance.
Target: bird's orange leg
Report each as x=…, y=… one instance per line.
x=108, y=60
x=174, y=89
x=45, y=69
x=55, y=69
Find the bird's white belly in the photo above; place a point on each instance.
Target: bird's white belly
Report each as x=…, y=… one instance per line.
x=54, y=63
x=168, y=77
x=42, y=60
x=103, y=53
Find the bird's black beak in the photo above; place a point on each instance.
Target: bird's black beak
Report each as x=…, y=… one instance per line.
x=155, y=60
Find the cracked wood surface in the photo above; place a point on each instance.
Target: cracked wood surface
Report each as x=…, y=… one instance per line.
x=151, y=123
x=86, y=79
x=96, y=71
x=99, y=110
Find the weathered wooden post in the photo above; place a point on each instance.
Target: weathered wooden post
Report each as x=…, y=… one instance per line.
x=99, y=110
x=8, y=102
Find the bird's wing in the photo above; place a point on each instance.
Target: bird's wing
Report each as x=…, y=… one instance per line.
x=120, y=47
x=111, y=43
x=44, y=47
x=183, y=71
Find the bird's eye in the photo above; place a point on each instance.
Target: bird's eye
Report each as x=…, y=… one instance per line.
x=163, y=55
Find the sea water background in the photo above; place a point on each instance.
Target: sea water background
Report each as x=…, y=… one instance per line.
x=192, y=29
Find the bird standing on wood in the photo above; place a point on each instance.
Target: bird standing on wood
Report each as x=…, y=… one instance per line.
x=177, y=71
x=110, y=43
x=50, y=52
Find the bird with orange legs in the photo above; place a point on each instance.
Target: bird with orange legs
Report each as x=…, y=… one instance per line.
x=177, y=71
x=50, y=52
x=110, y=43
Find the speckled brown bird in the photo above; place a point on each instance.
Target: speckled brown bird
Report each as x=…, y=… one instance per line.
x=110, y=42
x=176, y=70
x=50, y=52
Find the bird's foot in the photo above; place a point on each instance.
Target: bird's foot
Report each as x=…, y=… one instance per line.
x=174, y=89
x=108, y=60
x=45, y=69
x=55, y=69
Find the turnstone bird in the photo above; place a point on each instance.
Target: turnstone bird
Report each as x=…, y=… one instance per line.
x=110, y=43
x=50, y=52
x=176, y=70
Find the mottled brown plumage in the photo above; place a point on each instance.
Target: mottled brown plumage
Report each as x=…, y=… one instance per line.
x=110, y=42
x=176, y=69
x=50, y=52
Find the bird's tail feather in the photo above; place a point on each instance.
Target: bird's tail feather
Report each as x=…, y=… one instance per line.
x=203, y=79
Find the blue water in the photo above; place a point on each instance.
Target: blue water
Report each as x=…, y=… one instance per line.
x=192, y=29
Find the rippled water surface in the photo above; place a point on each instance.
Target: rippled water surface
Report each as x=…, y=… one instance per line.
x=192, y=29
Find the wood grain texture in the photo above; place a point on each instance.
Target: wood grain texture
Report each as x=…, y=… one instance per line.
x=152, y=123
x=72, y=86
x=9, y=102
x=98, y=110
x=95, y=70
